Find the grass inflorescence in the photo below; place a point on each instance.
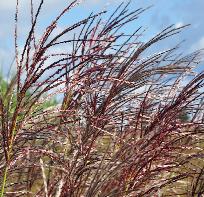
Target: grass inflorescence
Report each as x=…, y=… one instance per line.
x=124, y=125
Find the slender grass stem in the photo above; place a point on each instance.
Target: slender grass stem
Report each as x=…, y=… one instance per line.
x=4, y=181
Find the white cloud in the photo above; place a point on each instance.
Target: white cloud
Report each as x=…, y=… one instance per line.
x=11, y=4
x=198, y=45
x=8, y=4
x=179, y=24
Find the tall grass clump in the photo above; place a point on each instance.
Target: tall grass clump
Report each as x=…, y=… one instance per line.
x=116, y=130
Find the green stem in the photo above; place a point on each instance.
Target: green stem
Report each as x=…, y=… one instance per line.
x=4, y=182
x=6, y=168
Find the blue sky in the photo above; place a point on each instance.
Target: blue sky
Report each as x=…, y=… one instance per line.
x=162, y=14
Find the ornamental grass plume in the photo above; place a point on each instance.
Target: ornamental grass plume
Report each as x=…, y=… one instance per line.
x=116, y=130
